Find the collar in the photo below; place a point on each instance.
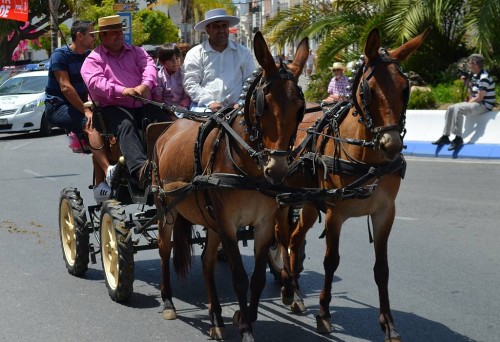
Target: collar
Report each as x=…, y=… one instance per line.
x=126, y=47
x=230, y=45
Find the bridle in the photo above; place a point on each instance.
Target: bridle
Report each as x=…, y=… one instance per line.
x=361, y=82
x=256, y=92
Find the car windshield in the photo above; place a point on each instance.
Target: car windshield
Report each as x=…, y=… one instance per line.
x=24, y=85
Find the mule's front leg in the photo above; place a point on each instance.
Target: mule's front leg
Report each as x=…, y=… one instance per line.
x=240, y=284
x=282, y=232
x=382, y=224
x=209, y=258
x=164, y=248
x=263, y=235
x=307, y=218
x=331, y=262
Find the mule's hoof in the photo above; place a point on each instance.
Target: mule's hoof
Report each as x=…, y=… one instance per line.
x=169, y=314
x=236, y=317
x=298, y=303
x=247, y=337
x=286, y=300
x=393, y=339
x=216, y=333
x=323, y=325
x=298, y=307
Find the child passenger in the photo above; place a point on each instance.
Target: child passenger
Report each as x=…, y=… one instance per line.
x=170, y=90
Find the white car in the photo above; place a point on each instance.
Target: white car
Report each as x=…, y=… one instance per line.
x=22, y=103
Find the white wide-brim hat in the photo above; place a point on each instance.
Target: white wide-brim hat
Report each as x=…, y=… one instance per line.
x=218, y=14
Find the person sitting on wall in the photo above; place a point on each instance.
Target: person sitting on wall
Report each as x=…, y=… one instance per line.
x=481, y=94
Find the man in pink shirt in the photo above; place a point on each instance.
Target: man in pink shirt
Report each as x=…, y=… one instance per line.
x=113, y=72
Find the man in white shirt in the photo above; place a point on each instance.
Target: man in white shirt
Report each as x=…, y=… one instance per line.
x=215, y=71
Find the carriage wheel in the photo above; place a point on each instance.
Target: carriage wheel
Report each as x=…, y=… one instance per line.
x=73, y=232
x=117, y=251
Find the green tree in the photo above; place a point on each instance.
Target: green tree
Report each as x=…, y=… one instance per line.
x=158, y=26
x=341, y=27
x=12, y=32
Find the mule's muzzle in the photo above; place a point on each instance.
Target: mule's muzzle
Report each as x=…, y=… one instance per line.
x=277, y=167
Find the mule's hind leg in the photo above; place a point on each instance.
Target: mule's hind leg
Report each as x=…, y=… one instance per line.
x=209, y=258
x=165, y=226
x=382, y=224
x=333, y=226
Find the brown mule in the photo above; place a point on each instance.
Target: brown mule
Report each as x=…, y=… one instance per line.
x=359, y=152
x=223, y=196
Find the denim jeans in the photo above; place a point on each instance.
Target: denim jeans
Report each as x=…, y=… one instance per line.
x=63, y=115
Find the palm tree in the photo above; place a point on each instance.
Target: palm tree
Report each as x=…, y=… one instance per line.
x=340, y=28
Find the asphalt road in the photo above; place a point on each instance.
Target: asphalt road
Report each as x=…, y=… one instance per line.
x=443, y=255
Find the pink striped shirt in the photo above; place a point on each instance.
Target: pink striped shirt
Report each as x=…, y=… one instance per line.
x=107, y=75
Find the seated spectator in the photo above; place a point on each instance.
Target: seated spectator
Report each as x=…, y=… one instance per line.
x=170, y=90
x=481, y=99
x=215, y=71
x=115, y=72
x=337, y=88
x=66, y=93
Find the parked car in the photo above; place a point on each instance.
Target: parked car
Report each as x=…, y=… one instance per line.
x=5, y=74
x=42, y=65
x=22, y=103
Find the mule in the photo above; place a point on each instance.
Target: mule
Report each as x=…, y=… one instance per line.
x=232, y=155
x=356, y=149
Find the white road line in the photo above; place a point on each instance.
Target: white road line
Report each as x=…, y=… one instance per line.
x=20, y=145
x=403, y=218
x=39, y=175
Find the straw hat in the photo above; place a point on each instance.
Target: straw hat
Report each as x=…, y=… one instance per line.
x=113, y=22
x=337, y=65
x=217, y=14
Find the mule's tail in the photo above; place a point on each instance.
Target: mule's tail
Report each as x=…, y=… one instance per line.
x=183, y=252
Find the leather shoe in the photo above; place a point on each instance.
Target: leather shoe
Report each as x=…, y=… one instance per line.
x=456, y=143
x=143, y=175
x=442, y=141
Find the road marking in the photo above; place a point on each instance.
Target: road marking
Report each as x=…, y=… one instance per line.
x=20, y=145
x=39, y=175
x=406, y=218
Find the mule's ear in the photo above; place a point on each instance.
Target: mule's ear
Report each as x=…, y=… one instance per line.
x=405, y=50
x=262, y=53
x=301, y=56
x=372, y=45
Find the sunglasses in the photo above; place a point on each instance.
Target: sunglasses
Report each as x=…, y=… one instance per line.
x=334, y=70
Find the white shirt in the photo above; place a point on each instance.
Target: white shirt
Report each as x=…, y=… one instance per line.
x=209, y=75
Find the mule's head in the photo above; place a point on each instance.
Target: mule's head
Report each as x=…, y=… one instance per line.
x=274, y=107
x=381, y=91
